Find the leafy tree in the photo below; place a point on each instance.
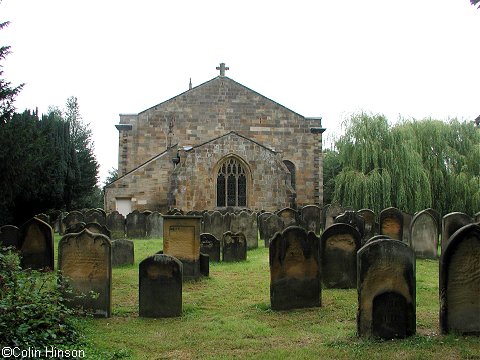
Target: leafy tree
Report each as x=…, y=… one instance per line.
x=112, y=176
x=331, y=168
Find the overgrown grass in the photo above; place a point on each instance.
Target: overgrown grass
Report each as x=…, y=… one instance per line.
x=228, y=316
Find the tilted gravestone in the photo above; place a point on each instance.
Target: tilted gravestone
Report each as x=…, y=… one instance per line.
x=210, y=245
x=246, y=223
x=35, y=242
x=424, y=235
x=273, y=224
x=155, y=225
x=234, y=247
x=136, y=225
x=351, y=218
x=160, y=287
x=72, y=218
x=116, y=224
x=369, y=219
x=181, y=239
x=95, y=216
x=289, y=216
x=311, y=218
x=294, y=260
x=451, y=223
x=123, y=252
x=261, y=223
x=391, y=223
x=85, y=260
x=386, y=290
x=9, y=236
x=339, y=246
x=460, y=282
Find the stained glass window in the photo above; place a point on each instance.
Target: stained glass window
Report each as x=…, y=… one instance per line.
x=231, y=184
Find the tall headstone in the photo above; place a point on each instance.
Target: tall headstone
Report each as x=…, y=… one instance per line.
x=136, y=225
x=386, y=290
x=289, y=216
x=311, y=218
x=123, y=252
x=160, y=287
x=391, y=223
x=460, y=282
x=424, y=235
x=294, y=258
x=35, y=242
x=116, y=224
x=210, y=245
x=9, y=236
x=234, y=247
x=273, y=224
x=181, y=239
x=85, y=260
x=155, y=225
x=246, y=223
x=451, y=223
x=339, y=245
x=369, y=219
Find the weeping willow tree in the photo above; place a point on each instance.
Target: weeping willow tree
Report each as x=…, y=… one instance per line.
x=412, y=165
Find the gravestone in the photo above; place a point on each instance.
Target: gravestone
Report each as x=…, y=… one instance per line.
x=214, y=223
x=95, y=227
x=246, y=223
x=331, y=212
x=460, y=282
x=261, y=223
x=44, y=217
x=294, y=260
x=377, y=237
x=234, y=246
x=351, y=218
x=424, y=235
x=438, y=218
x=122, y=252
x=340, y=243
x=391, y=223
x=9, y=236
x=116, y=224
x=160, y=287
x=407, y=220
x=289, y=217
x=210, y=245
x=85, y=259
x=75, y=228
x=35, y=242
x=311, y=218
x=136, y=225
x=451, y=223
x=369, y=219
x=386, y=290
x=72, y=218
x=181, y=239
x=273, y=224
x=155, y=225
x=95, y=216
x=204, y=264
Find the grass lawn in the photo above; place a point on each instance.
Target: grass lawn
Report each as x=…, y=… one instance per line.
x=228, y=316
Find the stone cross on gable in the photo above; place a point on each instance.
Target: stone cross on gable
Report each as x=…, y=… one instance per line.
x=222, y=69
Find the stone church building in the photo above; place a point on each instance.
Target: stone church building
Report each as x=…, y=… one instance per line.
x=218, y=145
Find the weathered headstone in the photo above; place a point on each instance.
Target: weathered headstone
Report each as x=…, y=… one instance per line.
x=289, y=216
x=438, y=218
x=95, y=216
x=460, y=282
x=246, y=223
x=273, y=224
x=123, y=252
x=369, y=218
x=214, y=223
x=9, y=236
x=155, y=225
x=391, y=223
x=210, y=245
x=351, y=218
x=294, y=260
x=97, y=228
x=451, y=223
x=181, y=239
x=116, y=225
x=340, y=243
x=386, y=290
x=424, y=235
x=136, y=225
x=311, y=218
x=160, y=287
x=234, y=246
x=331, y=212
x=85, y=260
x=35, y=242
x=261, y=223
x=72, y=218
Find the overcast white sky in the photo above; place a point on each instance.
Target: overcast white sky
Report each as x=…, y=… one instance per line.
x=414, y=58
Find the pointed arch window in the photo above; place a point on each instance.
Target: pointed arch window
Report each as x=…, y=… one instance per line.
x=291, y=167
x=231, y=184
